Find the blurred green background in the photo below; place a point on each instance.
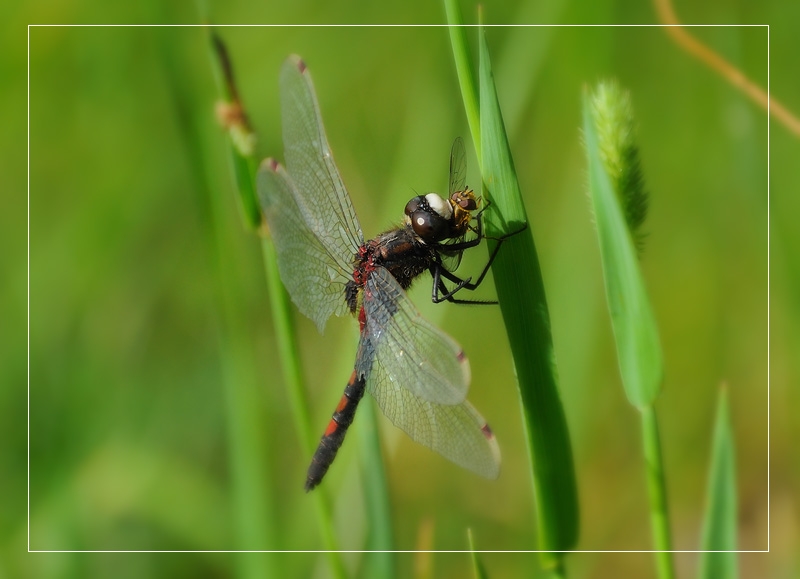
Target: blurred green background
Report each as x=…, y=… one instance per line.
x=129, y=434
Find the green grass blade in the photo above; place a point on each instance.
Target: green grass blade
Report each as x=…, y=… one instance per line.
x=615, y=182
x=464, y=69
x=719, y=528
x=632, y=318
x=478, y=570
x=380, y=562
x=520, y=291
x=292, y=375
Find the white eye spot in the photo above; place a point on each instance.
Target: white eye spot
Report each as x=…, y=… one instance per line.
x=439, y=205
x=420, y=221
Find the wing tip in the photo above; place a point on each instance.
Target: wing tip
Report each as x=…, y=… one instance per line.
x=466, y=370
x=270, y=164
x=298, y=63
x=488, y=434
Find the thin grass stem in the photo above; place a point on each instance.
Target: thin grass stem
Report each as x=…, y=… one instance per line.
x=244, y=162
x=657, y=492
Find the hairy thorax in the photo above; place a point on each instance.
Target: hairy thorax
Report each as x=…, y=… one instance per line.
x=400, y=251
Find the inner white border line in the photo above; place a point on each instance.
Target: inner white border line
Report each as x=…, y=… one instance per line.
x=767, y=550
x=400, y=26
x=395, y=551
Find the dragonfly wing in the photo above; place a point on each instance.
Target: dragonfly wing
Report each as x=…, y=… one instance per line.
x=419, y=377
x=458, y=166
x=322, y=199
x=456, y=431
x=411, y=352
x=314, y=279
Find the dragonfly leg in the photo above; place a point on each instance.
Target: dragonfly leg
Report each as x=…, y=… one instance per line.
x=441, y=293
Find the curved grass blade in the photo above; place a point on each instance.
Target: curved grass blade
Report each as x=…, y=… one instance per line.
x=464, y=69
x=478, y=569
x=719, y=527
x=520, y=291
x=632, y=319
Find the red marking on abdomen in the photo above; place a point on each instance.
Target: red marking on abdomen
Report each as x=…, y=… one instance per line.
x=342, y=403
x=333, y=426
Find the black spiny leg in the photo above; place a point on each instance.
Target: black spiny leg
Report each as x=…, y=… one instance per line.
x=440, y=292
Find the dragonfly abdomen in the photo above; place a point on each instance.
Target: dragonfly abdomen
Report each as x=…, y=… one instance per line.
x=334, y=434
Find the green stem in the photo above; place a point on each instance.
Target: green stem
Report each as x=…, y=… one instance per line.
x=380, y=562
x=286, y=341
x=657, y=491
x=292, y=375
x=245, y=167
x=464, y=69
x=558, y=571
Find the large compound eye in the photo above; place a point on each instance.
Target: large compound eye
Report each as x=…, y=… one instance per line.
x=429, y=216
x=429, y=225
x=414, y=205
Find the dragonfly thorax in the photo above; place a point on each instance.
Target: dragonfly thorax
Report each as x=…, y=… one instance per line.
x=400, y=250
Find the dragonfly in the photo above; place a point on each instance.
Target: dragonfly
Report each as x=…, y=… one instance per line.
x=418, y=375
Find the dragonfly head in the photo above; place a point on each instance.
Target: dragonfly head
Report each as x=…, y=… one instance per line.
x=430, y=216
x=433, y=219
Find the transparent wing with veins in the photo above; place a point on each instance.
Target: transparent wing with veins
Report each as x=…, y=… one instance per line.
x=325, y=203
x=314, y=226
x=412, y=351
x=419, y=377
x=314, y=281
